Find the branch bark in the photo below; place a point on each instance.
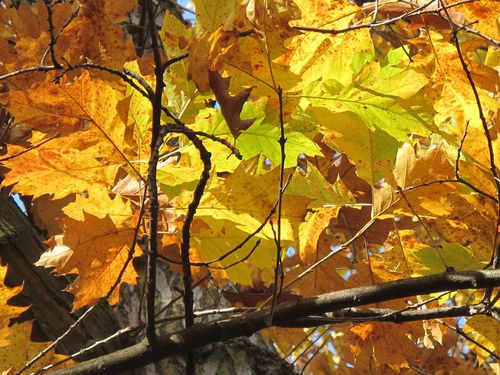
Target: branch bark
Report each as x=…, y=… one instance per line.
x=200, y=335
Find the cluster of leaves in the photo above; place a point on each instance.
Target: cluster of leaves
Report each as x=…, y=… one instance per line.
x=356, y=150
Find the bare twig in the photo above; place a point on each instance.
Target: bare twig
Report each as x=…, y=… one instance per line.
x=30, y=148
x=186, y=239
x=460, y=332
x=489, y=141
x=174, y=300
x=481, y=35
x=308, y=346
x=157, y=134
x=180, y=127
x=237, y=247
x=459, y=151
x=304, y=339
x=52, y=44
x=173, y=60
x=313, y=355
x=72, y=16
x=424, y=225
x=278, y=268
x=33, y=69
x=421, y=10
x=125, y=75
x=457, y=181
x=87, y=349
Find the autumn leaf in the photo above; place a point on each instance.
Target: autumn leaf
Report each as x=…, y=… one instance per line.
x=355, y=141
x=485, y=333
x=100, y=38
x=96, y=249
x=69, y=160
x=231, y=106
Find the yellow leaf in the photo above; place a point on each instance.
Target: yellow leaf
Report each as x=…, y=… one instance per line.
x=62, y=166
x=96, y=249
x=484, y=11
x=210, y=14
x=485, y=331
x=311, y=52
x=310, y=230
x=96, y=201
x=411, y=172
x=18, y=352
x=249, y=64
x=100, y=39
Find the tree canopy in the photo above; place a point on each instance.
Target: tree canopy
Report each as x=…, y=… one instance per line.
x=330, y=166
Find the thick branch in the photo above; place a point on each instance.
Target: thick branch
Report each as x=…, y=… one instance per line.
x=200, y=335
x=353, y=315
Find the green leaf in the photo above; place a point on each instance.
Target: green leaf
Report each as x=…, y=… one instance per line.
x=372, y=151
x=434, y=260
x=313, y=185
x=391, y=104
x=262, y=137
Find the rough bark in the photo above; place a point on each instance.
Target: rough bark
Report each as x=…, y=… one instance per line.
x=20, y=247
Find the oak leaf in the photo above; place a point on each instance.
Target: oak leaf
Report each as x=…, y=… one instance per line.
x=96, y=249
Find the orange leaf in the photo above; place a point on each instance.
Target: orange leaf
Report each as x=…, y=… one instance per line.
x=96, y=249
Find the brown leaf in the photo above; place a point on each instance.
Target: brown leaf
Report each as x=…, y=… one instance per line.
x=391, y=9
x=231, y=106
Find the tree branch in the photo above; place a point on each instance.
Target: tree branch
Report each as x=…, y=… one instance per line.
x=156, y=140
x=354, y=315
x=200, y=335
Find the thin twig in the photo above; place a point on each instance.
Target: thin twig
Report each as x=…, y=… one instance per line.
x=343, y=247
x=489, y=141
x=52, y=43
x=180, y=127
x=173, y=60
x=313, y=356
x=237, y=247
x=357, y=315
x=455, y=181
x=308, y=346
x=33, y=69
x=460, y=332
x=185, y=9
x=459, y=151
x=209, y=266
x=186, y=239
x=87, y=349
x=30, y=148
x=481, y=35
x=424, y=225
x=174, y=300
x=412, y=13
x=72, y=16
x=124, y=75
x=278, y=268
x=304, y=339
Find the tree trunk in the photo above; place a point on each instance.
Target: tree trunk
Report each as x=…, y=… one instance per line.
x=50, y=306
